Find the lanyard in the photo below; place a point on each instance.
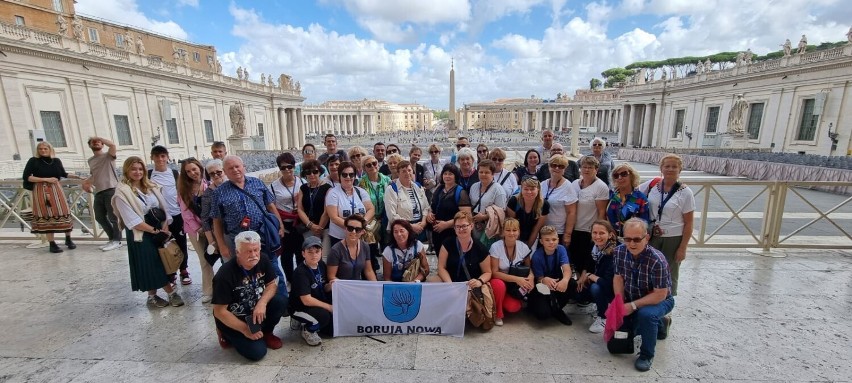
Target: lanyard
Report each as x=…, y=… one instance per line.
x=551, y=189
x=291, y=192
x=668, y=197
x=318, y=280
x=252, y=281
x=514, y=253
x=461, y=256
x=466, y=180
x=351, y=199
x=353, y=262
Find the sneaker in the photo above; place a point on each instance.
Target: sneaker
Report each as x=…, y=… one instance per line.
x=272, y=341
x=112, y=246
x=598, y=325
x=542, y=289
x=101, y=247
x=311, y=338
x=498, y=321
x=663, y=331
x=156, y=301
x=206, y=298
x=185, y=279
x=70, y=244
x=175, y=300
x=294, y=324
x=643, y=364
x=590, y=308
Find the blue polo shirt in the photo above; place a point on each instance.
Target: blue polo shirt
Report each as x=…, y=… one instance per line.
x=549, y=265
x=231, y=205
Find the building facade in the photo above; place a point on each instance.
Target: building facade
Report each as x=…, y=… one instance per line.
x=63, y=85
x=351, y=118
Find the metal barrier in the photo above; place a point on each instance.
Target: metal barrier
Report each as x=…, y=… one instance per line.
x=733, y=202
x=16, y=205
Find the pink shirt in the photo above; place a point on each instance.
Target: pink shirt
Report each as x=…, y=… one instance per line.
x=191, y=222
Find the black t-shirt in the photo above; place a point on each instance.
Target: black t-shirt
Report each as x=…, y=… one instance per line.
x=444, y=205
x=473, y=257
x=313, y=200
x=419, y=174
x=241, y=289
x=307, y=281
x=43, y=168
x=467, y=182
x=527, y=220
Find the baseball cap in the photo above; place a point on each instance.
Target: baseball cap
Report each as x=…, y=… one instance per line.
x=311, y=242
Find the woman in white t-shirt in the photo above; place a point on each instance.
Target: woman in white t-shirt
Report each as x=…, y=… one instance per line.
x=559, y=193
x=592, y=199
x=344, y=200
x=672, y=206
x=286, y=191
x=506, y=255
x=403, y=249
x=503, y=177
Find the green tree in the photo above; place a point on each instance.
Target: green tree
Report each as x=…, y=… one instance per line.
x=614, y=76
x=594, y=83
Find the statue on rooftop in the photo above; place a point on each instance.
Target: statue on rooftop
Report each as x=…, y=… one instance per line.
x=748, y=56
x=176, y=54
x=262, y=79
x=788, y=48
x=699, y=68
x=298, y=87
x=128, y=42
x=78, y=27
x=218, y=67
x=269, y=81
x=803, y=45
x=240, y=73
x=740, y=59
x=665, y=75
x=245, y=74
x=62, y=24
x=284, y=81
x=708, y=65
x=140, y=46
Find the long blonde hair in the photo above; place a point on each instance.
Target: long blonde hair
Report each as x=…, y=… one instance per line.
x=537, y=204
x=145, y=184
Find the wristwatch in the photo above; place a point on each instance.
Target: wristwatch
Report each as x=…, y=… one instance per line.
x=633, y=305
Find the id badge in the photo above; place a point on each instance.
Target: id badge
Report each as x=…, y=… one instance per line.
x=657, y=231
x=245, y=223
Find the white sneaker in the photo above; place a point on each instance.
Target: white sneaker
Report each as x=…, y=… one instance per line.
x=542, y=289
x=101, y=247
x=597, y=326
x=112, y=246
x=206, y=299
x=498, y=321
x=311, y=338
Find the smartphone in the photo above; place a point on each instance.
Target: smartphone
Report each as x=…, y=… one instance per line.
x=253, y=327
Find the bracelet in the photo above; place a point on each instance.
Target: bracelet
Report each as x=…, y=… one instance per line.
x=633, y=306
x=480, y=281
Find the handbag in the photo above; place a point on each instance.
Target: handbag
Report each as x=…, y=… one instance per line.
x=480, y=303
x=172, y=256
x=621, y=343
x=519, y=270
x=371, y=232
x=269, y=238
x=411, y=269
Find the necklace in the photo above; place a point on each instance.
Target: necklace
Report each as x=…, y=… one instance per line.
x=47, y=163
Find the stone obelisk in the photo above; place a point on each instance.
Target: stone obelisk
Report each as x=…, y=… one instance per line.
x=453, y=130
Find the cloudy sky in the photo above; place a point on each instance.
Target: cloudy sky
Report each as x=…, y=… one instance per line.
x=400, y=51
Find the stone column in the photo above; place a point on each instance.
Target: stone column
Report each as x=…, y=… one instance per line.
x=282, y=132
x=631, y=124
x=300, y=119
x=646, y=125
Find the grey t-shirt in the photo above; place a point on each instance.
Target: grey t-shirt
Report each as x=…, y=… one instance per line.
x=347, y=268
x=102, y=166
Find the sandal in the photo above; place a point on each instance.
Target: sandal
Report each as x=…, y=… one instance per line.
x=185, y=279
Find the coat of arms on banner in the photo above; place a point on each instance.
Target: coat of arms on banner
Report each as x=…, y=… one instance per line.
x=401, y=301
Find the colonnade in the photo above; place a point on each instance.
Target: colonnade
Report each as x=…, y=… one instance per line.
x=641, y=121
x=340, y=124
x=291, y=126
x=538, y=120
x=604, y=120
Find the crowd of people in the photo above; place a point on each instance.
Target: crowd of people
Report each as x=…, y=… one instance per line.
x=547, y=234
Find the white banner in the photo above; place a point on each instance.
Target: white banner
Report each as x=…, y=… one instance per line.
x=391, y=308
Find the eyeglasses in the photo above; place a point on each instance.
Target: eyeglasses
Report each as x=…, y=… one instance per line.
x=353, y=229
x=371, y=165
x=217, y=173
x=308, y=151
x=597, y=144
x=311, y=172
x=634, y=240
x=286, y=167
x=482, y=151
x=356, y=155
x=347, y=175
x=434, y=152
x=462, y=227
x=616, y=176
x=556, y=166
x=497, y=159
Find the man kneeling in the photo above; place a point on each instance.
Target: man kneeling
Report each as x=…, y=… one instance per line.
x=245, y=305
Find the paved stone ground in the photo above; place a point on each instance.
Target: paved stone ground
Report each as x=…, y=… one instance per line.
x=740, y=317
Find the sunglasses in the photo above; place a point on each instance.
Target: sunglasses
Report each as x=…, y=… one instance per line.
x=353, y=229
x=555, y=166
x=482, y=151
x=371, y=165
x=459, y=146
x=597, y=144
x=217, y=173
x=616, y=176
x=311, y=172
x=286, y=167
x=393, y=151
x=347, y=175
x=356, y=155
x=434, y=152
x=634, y=240
x=497, y=159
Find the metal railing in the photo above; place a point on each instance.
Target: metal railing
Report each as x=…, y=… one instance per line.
x=728, y=213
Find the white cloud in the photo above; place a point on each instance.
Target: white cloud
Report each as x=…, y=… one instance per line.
x=127, y=12
x=188, y=3
x=414, y=11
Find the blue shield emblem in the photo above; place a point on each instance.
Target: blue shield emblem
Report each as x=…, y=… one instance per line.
x=401, y=301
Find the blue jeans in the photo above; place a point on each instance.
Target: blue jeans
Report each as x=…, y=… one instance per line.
x=646, y=322
x=256, y=349
x=602, y=295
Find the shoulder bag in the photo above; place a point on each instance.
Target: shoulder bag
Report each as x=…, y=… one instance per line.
x=480, y=301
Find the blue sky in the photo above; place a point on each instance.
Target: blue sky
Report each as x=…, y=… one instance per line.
x=400, y=51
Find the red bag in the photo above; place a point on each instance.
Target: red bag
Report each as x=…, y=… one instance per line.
x=614, y=317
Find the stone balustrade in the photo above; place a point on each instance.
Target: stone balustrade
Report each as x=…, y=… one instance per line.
x=62, y=44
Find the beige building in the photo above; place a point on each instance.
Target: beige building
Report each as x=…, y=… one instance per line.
x=61, y=84
x=349, y=118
